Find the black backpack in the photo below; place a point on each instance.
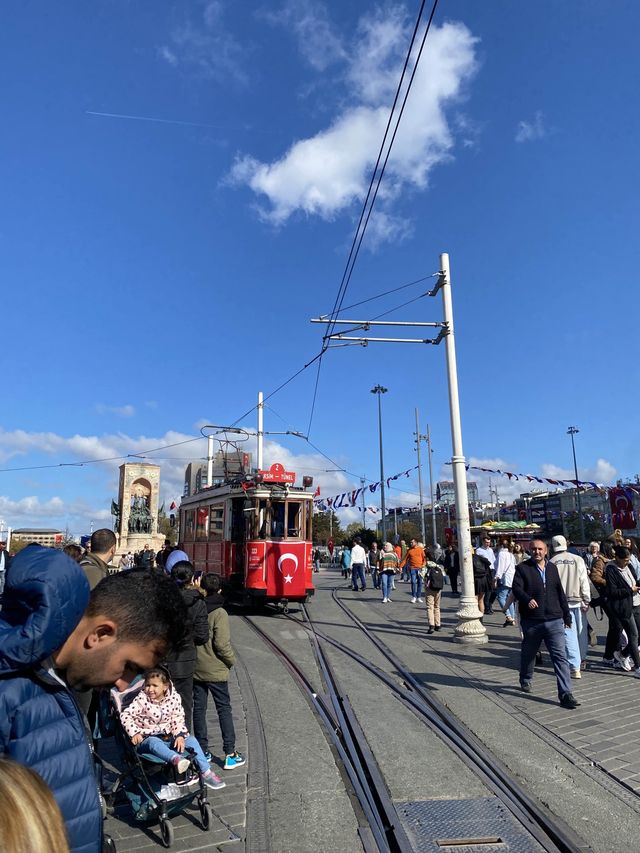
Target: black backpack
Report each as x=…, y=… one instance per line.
x=435, y=578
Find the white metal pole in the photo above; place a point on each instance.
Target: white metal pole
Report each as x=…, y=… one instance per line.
x=418, y=439
x=260, y=430
x=209, y=461
x=469, y=628
x=364, y=510
x=433, y=508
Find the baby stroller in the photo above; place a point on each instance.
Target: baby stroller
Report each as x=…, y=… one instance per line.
x=155, y=790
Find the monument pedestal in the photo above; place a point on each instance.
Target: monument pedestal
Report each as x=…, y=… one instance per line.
x=138, y=508
x=136, y=541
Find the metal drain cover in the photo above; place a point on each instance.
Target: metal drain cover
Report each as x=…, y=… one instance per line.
x=481, y=825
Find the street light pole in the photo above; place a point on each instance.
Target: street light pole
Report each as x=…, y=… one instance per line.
x=379, y=390
x=469, y=628
x=572, y=430
x=418, y=440
x=433, y=508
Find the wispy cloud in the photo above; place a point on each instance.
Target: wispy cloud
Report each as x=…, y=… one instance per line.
x=529, y=131
x=318, y=42
x=602, y=472
x=203, y=45
x=127, y=411
x=325, y=174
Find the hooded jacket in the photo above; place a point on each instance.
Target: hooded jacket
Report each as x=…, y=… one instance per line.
x=95, y=568
x=215, y=658
x=144, y=717
x=183, y=662
x=40, y=724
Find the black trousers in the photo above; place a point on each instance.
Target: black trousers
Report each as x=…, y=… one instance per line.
x=220, y=692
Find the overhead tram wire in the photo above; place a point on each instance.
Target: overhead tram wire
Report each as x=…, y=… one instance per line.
x=385, y=293
x=369, y=202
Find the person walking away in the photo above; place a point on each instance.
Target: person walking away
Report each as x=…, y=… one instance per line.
x=544, y=614
x=358, y=562
x=623, y=597
x=401, y=552
x=77, y=641
x=575, y=582
x=316, y=560
x=599, y=580
x=433, y=585
x=452, y=567
x=505, y=570
x=96, y=562
x=345, y=561
x=374, y=558
x=182, y=663
x=481, y=578
x=486, y=551
x=214, y=661
x=414, y=559
x=389, y=566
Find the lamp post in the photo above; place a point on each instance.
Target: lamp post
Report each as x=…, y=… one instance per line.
x=379, y=390
x=572, y=430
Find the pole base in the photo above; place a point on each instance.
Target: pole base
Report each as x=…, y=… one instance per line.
x=470, y=629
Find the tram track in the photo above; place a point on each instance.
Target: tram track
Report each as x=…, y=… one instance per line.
x=538, y=822
x=383, y=830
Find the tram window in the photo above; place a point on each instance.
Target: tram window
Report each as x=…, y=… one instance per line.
x=216, y=522
x=261, y=519
x=189, y=524
x=277, y=519
x=202, y=523
x=293, y=519
x=309, y=520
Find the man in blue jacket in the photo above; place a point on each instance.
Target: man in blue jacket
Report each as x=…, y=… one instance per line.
x=55, y=636
x=544, y=614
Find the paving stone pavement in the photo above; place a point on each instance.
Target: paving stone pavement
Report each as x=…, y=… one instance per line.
x=605, y=726
x=229, y=803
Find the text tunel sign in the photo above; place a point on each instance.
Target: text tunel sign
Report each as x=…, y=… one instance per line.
x=277, y=474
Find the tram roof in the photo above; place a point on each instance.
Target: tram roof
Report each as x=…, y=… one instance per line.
x=260, y=490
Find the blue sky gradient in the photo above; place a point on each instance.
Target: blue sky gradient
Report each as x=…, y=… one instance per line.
x=151, y=284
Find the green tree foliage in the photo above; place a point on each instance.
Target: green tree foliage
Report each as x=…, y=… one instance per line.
x=165, y=528
x=594, y=530
x=326, y=524
x=367, y=536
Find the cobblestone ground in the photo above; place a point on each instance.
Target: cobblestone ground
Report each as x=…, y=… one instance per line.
x=228, y=803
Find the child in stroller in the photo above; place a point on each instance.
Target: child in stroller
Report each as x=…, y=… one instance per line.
x=157, y=749
x=155, y=722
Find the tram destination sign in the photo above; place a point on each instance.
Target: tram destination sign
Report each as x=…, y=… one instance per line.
x=277, y=474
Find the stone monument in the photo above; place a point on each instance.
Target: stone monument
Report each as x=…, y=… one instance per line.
x=137, y=508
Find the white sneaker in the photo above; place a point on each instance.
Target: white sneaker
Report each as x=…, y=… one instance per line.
x=389, y=600
x=385, y=600
x=421, y=600
x=575, y=673
x=624, y=662
x=413, y=600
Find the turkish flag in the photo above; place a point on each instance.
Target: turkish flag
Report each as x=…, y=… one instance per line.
x=173, y=505
x=621, y=501
x=316, y=494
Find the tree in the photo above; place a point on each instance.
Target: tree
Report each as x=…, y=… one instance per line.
x=367, y=536
x=325, y=526
x=407, y=530
x=165, y=528
x=595, y=528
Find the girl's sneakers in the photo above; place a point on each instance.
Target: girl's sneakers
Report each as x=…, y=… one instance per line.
x=181, y=764
x=212, y=781
x=234, y=760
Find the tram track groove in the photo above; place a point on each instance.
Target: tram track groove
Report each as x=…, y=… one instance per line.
x=531, y=815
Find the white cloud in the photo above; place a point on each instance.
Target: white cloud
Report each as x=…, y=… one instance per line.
x=127, y=411
x=317, y=39
x=602, y=472
x=528, y=131
x=328, y=172
x=205, y=46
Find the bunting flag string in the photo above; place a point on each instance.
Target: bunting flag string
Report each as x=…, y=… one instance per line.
x=532, y=478
x=350, y=499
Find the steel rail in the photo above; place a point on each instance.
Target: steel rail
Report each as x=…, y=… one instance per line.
x=384, y=836
x=538, y=822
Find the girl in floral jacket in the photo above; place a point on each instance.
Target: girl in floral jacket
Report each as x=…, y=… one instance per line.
x=155, y=723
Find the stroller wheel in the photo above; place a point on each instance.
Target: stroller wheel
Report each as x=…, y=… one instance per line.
x=206, y=816
x=108, y=845
x=166, y=831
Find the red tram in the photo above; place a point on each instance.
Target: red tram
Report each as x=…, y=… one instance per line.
x=255, y=533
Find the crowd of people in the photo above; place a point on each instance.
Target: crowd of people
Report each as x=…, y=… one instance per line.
x=71, y=629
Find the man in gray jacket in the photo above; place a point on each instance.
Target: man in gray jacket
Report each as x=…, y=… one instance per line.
x=575, y=582
x=96, y=562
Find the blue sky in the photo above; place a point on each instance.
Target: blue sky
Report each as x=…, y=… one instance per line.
x=158, y=274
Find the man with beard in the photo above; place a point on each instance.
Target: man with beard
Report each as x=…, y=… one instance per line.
x=55, y=638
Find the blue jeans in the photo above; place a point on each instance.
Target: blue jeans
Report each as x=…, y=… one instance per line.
x=576, y=637
x=156, y=746
x=387, y=578
x=357, y=572
x=416, y=583
x=502, y=593
x=552, y=632
x=220, y=692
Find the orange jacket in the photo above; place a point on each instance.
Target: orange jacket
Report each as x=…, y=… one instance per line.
x=414, y=557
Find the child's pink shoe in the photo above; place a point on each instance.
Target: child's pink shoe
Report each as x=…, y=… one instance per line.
x=181, y=764
x=212, y=781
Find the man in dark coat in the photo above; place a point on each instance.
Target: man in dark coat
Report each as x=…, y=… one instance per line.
x=54, y=638
x=544, y=614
